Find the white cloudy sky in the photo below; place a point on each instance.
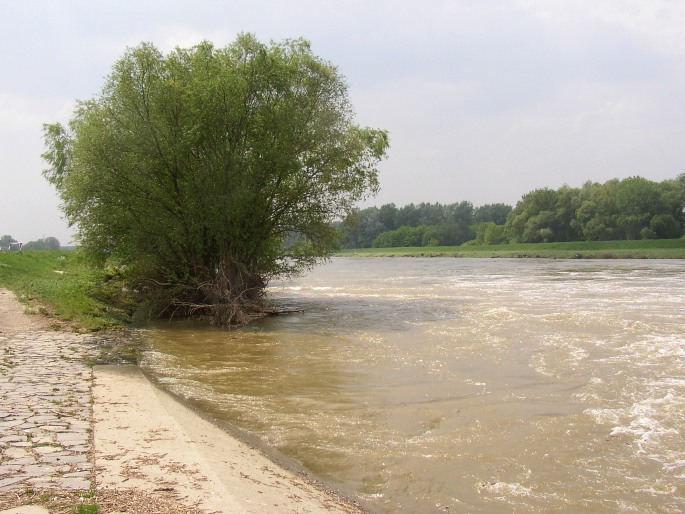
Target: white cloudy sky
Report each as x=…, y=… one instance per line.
x=485, y=100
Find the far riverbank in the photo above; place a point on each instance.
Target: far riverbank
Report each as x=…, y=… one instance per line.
x=635, y=249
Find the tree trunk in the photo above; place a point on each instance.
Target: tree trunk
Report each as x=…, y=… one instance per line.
x=233, y=294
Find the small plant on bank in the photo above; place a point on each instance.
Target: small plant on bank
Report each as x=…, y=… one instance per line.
x=87, y=508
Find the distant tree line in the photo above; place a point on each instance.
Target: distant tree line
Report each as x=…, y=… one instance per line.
x=632, y=208
x=424, y=224
x=48, y=243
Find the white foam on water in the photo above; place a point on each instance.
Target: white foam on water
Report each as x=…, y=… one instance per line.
x=654, y=348
x=509, y=489
x=651, y=423
x=500, y=314
x=676, y=465
x=604, y=416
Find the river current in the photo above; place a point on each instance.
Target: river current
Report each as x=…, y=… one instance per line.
x=460, y=385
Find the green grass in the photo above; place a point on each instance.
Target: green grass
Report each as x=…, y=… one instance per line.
x=87, y=508
x=60, y=284
x=638, y=249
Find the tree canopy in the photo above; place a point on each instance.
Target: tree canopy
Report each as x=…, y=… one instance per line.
x=6, y=240
x=192, y=169
x=632, y=208
x=46, y=243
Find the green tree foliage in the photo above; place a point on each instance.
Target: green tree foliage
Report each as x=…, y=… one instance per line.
x=361, y=227
x=440, y=225
x=494, y=212
x=444, y=234
x=633, y=208
x=5, y=241
x=387, y=216
x=461, y=213
x=48, y=243
x=192, y=169
x=532, y=220
x=490, y=233
x=403, y=236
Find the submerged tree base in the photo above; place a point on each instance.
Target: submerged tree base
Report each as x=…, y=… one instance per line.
x=228, y=295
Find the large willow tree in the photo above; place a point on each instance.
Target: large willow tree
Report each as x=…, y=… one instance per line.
x=192, y=169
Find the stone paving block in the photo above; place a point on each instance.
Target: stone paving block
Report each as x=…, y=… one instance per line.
x=54, y=427
x=80, y=449
x=74, y=483
x=15, y=453
x=80, y=460
x=9, y=424
x=12, y=439
x=48, y=436
x=27, y=509
x=9, y=469
x=42, y=440
x=71, y=437
x=24, y=461
x=37, y=470
x=6, y=483
x=42, y=450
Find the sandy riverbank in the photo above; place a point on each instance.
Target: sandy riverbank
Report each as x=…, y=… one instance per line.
x=149, y=449
x=147, y=440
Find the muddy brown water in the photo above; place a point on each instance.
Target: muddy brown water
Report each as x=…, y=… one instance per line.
x=460, y=385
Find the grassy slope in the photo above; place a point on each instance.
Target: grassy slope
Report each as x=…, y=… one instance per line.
x=639, y=249
x=59, y=284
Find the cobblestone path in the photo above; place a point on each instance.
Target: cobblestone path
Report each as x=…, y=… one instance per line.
x=45, y=411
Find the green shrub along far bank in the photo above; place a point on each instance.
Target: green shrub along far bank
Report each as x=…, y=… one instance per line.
x=61, y=285
x=632, y=249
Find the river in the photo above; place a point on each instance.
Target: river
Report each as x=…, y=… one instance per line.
x=460, y=385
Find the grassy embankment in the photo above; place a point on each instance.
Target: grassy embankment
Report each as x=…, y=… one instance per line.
x=638, y=249
x=60, y=285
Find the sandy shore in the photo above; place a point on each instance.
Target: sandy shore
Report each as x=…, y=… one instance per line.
x=147, y=445
x=145, y=439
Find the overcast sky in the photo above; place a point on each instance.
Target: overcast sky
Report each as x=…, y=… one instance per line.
x=485, y=100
